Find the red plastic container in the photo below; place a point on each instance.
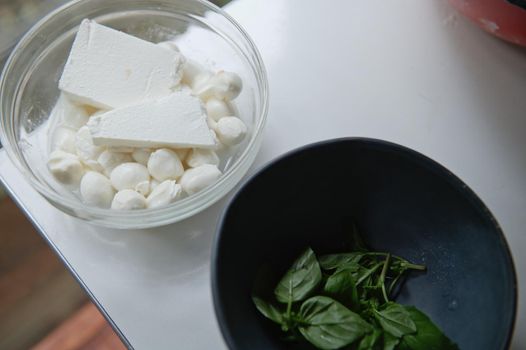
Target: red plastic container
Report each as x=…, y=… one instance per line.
x=503, y=18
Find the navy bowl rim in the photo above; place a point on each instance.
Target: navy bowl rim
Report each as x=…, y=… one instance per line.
x=419, y=157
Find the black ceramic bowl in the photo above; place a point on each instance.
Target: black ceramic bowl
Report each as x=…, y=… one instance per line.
x=402, y=202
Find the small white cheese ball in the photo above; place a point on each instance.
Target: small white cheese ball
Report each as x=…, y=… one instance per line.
x=219, y=146
x=69, y=114
x=110, y=160
x=153, y=184
x=63, y=139
x=128, y=175
x=223, y=86
x=75, y=117
x=164, y=164
x=65, y=167
x=141, y=155
x=170, y=45
x=96, y=190
x=194, y=74
x=198, y=157
x=128, y=200
x=195, y=179
x=86, y=150
x=217, y=109
x=143, y=187
x=212, y=124
x=182, y=153
x=165, y=193
x=230, y=130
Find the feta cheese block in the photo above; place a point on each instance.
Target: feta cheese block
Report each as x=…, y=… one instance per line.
x=175, y=121
x=109, y=69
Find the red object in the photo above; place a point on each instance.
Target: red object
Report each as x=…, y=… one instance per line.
x=503, y=18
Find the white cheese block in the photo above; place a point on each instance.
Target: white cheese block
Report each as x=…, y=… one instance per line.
x=108, y=69
x=175, y=121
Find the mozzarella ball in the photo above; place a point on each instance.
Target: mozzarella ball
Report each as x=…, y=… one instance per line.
x=222, y=86
x=212, y=124
x=218, y=145
x=96, y=189
x=128, y=200
x=110, y=160
x=153, y=184
x=182, y=153
x=198, y=157
x=63, y=139
x=217, y=109
x=86, y=150
x=230, y=130
x=164, y=164
x=143, y=187
x=196, y=179
x=194, y=74
x=165, y=193
x=69, y=114
x=65, y=167
x=141, y=155
x=128, y=175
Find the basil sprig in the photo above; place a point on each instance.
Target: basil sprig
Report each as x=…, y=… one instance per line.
x=343, y=301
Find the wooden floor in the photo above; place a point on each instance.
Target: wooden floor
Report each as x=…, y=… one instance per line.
x=86, y=330
x=40, y=302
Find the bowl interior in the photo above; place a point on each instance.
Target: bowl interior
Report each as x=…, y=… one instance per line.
x=31, y=77
x=402, y=202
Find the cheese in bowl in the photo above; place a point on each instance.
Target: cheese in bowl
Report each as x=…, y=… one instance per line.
x=139, y=125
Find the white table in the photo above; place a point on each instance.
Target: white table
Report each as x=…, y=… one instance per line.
x=408, y=71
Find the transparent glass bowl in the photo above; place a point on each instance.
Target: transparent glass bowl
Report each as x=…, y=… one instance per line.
x=29, y=90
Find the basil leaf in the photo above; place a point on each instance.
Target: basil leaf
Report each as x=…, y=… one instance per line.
x=390, y=341
x=370, y=340
x=427, y=337
x=333, y=261
x=363, y=274
x=327, y=324
x=351, y=266
x=300, y=280
x=268, y=310
x=395, y=319
x=342, y=288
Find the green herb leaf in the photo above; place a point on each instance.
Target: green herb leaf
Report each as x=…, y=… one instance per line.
x=333, y=261
x=342, y=288
x=390, y=341
x=300, y=280
x=395, y=319
x=327, y=324
x=365, y=273
x=268, y=310
x=370, y=340
x=427, y=337
x=354, y=267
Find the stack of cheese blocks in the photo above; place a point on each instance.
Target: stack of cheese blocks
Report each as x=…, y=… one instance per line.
x=137, y=124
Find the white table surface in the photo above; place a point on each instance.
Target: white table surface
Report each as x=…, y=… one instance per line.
x=408, y=71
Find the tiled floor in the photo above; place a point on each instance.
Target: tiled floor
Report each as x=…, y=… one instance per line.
x=37, y=294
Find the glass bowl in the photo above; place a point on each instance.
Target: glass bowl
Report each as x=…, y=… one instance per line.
x=29, y=90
